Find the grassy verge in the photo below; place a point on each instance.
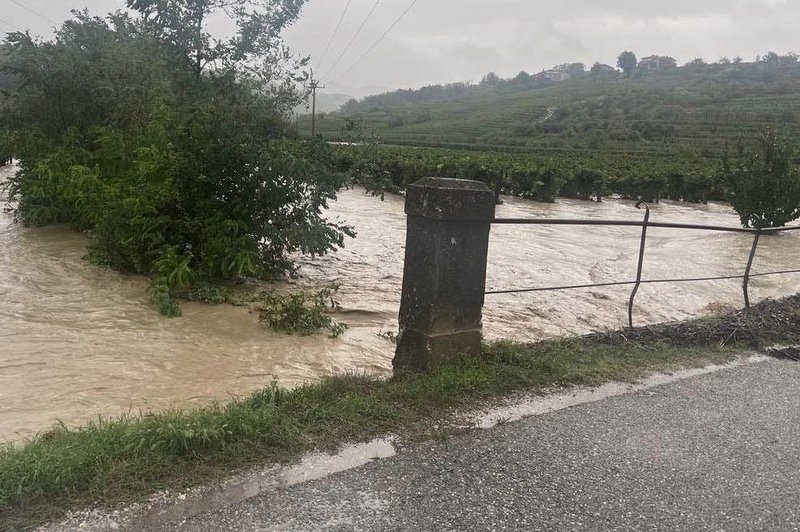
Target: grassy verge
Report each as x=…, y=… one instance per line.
x=127, y=459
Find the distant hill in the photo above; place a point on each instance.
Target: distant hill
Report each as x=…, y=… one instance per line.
x=326, y=103
x=692, y=111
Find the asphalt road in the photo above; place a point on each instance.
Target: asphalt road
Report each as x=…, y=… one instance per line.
x=715, y=452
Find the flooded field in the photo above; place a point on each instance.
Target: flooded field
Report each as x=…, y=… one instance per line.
x=77, y=341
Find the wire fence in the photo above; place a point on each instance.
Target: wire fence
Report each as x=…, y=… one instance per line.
x=645, y=224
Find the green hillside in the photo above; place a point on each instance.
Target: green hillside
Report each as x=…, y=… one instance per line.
x=691, y=112
x=674, y=133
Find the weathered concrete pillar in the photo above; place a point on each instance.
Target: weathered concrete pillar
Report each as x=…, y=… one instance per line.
x=445, y=271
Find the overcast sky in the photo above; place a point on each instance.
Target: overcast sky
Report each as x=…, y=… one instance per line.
x=459, y=40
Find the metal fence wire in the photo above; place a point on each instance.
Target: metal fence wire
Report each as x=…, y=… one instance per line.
x=645, y=224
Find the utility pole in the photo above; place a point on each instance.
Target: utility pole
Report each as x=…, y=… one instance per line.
x=314, y=85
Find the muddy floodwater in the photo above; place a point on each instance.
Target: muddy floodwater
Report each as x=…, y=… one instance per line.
x=77, y=341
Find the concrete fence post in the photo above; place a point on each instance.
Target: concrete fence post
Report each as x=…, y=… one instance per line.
x=444, y=278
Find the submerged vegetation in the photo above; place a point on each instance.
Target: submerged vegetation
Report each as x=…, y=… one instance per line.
x=164, y=143
x=762, y=181
x=302, y=313
x=384, y=169
x=111, y=462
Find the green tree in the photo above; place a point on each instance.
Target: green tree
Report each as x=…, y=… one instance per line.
x=627, y=62
x=164, y=143
x=697, y=62
x=7, y=81
x=576, y=70
x=764, y=184
x=770, y=57
x=490, y=79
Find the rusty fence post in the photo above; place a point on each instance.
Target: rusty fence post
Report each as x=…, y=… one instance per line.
x=444, y=278
x=748, y=270
x=642, y=246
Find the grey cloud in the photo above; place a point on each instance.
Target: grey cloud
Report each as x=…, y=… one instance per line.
x=453, y=40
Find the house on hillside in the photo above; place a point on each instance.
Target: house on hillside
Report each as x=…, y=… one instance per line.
x=562, y=72
x=601, y=68
x=657, y=62
x=552, y=75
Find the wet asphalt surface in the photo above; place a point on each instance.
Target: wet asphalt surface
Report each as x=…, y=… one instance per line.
x=715, y=452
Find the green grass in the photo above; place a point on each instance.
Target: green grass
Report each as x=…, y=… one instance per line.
x=124, y=460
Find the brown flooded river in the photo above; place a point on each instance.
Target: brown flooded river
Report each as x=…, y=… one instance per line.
x=77, y=341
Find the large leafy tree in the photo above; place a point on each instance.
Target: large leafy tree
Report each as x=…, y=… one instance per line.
x=627, y=62
x=764, y=184
x=164, y=143
x=256, y=50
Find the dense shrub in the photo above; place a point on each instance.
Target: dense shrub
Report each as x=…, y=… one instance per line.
x=764, y=184
x=164, y=144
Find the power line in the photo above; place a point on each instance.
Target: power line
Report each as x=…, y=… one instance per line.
x=381, y=38
x=29, y=10
x=10, y=25
x=355, y=36
x=335, y=32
